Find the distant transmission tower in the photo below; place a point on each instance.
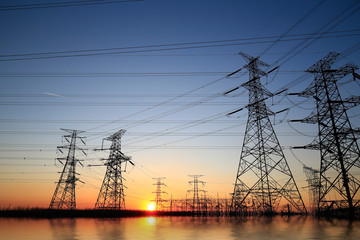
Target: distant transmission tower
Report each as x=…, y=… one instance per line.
x=158, y=199
x=264, y=177
x=313, y=179
x=64, y=195
x=111, y=195
x=337, y=140
x=196, y=203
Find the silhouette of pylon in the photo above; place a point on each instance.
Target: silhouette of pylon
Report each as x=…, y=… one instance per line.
x=111, y=195
x=338, y=187
x=158, y=199
x=264, y=180
x=196, y=203
x=64, y=195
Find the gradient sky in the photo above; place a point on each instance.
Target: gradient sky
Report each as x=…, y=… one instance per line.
x=165, y=93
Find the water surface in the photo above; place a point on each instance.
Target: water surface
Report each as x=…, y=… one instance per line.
x=178, y=228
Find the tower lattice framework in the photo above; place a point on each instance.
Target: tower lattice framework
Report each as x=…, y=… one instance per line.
x=111, y=195
x=158, y=199
x=313, y=179
x=338, y=186
x=64, y=195
x=263, y=179
x=196, y=203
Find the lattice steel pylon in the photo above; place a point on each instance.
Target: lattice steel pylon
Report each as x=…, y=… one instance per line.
x=263, y=179
x=196, y=203
x=158, y=199
x=313, y=179
x=111, y=195
x=337, y=140
x=64, y=195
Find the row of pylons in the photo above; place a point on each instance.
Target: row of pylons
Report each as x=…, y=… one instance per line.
x=264, y=181
x=111, y=195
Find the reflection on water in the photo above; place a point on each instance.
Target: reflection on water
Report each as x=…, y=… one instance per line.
x=63, y=229
x=178, y=228
x=109, y=229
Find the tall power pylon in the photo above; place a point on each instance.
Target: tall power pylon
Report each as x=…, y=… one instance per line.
x=264, y=178
x=337, y=140
x=111, y=195
x=64, y=195
x=158, y=199
x=196, y=203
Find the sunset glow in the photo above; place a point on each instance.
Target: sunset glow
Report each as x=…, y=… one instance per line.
x=151, y=207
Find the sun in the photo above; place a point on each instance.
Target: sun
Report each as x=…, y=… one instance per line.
x=151, y=207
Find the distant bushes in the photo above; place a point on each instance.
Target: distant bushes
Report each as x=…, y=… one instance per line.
x=82, y=213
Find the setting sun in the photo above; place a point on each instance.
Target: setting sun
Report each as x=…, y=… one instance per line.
x=151, y=207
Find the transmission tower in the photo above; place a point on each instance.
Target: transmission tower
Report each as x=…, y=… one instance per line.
x=158, y=200
x=196, y=203
x=111, y=195
x=313, y=179
x=264, y=178
x=337, y=140
x=64, y=195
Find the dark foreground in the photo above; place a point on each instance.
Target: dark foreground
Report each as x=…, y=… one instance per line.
x=83, y=213
x=111, y=213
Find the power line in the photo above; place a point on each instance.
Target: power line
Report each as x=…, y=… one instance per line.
x=183, y=126
x=213, y=133
x=142, y=134
x=112, y=74
x=25, y=172
x=31, y=159
x=24, y=164
x=110, y=103
x=96, y=52
x=61, y=4
x=208, y=54
x=107, y=121
x=337, y=18
x=293, y=26
x=138, y=147
x=178, y=128
x=171, y=44
x=117, y=75
x=287, y=58
x=156, y=117
x=101, y=104
x=26, y=180
x=79, y=95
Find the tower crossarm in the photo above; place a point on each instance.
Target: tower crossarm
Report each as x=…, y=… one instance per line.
x=252, y=59
x=116, y=136
x=308, y=92
x=324, y=63
x=312, y=146
x=351, y=101
x=337, y=73
x=311, y=119
x=250, y=85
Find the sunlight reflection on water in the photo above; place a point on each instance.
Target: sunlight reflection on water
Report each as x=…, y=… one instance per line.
x=178, y=228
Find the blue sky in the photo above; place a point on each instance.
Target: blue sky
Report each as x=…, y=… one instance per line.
x=152, y=93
